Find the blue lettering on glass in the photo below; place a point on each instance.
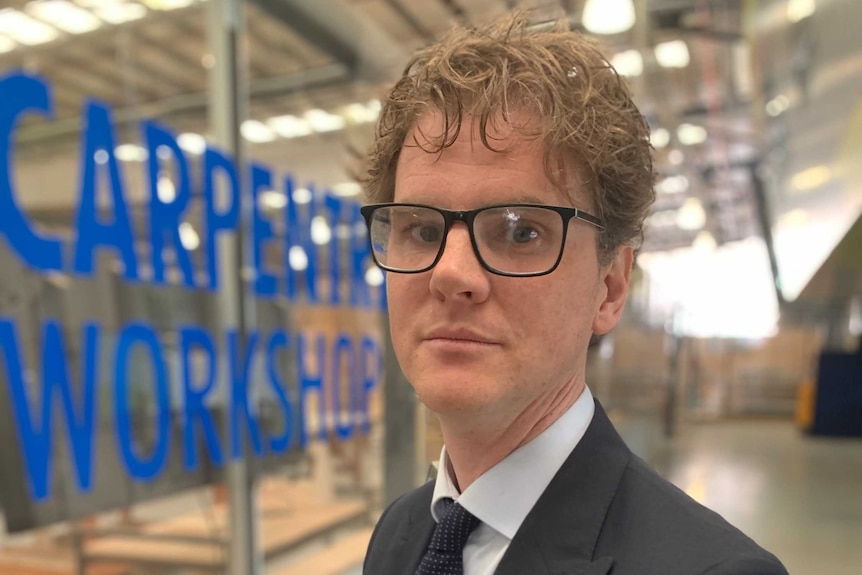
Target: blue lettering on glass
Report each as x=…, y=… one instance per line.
x=216, y=221
x=93, y=233
x=240, y=367
x=140, y=467
x=261, y=181
x=166, y=212
x=277, y=341
x=191, y=339
x=36, y=435
x=329, y=367
x=20, y=93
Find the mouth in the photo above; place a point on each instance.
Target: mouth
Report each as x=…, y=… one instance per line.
x=459, y=337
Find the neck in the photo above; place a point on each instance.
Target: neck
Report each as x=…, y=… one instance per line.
x=476, y=443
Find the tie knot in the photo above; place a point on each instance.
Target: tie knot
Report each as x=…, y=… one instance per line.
x=454, y=528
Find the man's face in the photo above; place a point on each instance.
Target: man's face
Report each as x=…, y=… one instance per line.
x=470, y=341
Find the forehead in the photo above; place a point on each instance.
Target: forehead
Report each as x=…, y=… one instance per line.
x=469, y=172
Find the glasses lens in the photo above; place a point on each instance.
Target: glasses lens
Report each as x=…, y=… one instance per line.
x=519, y=240
x=406, y=238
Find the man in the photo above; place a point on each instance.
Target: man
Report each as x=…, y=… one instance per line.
x=510, y=180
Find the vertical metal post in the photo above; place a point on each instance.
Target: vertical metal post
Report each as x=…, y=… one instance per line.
x=227, y=109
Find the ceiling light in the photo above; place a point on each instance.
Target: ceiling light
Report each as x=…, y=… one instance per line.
x=347, y=189
x=130, y=153
x=6, y=44
x=164, y=153
x=672, y=185
x=323, y=121
x=256, y=132
x=778, y=105
x=120, y=13
x=273, y=200
x=192, y=143
x=167, y=4
x=374, y=277
x=320, y=232
x=689, y=134
x=25, y=29
x=64, y=15
x=166, y=190
x=704, y=241
x=794, y=218
x=101, y=157
x=629, y=63
x=297, y=259
x=676, y=157
x=289, y=126
x=673, y=54
x=659, y=138
x=189, y=237
x=608, y=16
x=362, y=113
x=811, y=178
x=302, y=195
x=800, y=9
x=691, y=215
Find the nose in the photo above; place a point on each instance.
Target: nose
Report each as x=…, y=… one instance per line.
x=458, y=275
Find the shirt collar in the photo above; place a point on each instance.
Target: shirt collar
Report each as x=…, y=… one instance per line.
x=504, y=495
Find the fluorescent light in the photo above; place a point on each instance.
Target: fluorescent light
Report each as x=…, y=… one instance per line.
x=130, y=153
x=672, y=185
x=374, y=277
x=673, y=54
x=120, y=13
x=167, y=4
x=608, y=16
x=64, y=15
x=6, y=44
x=192, y=143
x=811, y=178
x=297, y=259
x=659, y=138
x=323, y=121
x=289, y=126
x=25, y=29
x=320, y=232
x=302, y=196
x=691, y=215
x=704, y=241
x=101, y=157
x=362, y=113
x=166, y=190
x=347, y=189
x=629, y=63
x=272, y=200
x=800, y=9
x=689, y=134
x=256, y=132
x=189, y=237
x=164, y=153
x=778, y=105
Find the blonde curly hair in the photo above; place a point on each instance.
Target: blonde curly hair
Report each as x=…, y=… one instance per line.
x=582, y=110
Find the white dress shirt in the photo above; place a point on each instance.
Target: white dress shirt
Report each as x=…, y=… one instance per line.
x=502, y=497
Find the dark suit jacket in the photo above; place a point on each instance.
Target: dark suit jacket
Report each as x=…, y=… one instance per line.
x=605, y=511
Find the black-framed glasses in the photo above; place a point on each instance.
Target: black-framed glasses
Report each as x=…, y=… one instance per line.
x=518, y=240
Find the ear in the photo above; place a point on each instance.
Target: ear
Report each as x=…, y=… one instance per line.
x=615, y=289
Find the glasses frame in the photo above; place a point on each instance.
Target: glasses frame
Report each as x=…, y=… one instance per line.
x=468, y=217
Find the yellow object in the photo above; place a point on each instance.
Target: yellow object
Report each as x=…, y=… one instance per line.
x=805, y=405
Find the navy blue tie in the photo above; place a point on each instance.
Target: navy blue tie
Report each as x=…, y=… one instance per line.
x=446, y=548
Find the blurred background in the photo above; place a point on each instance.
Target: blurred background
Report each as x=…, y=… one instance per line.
x=736, y=371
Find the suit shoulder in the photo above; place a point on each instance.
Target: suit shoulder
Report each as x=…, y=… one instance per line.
x=650, y=517
x=394, y=520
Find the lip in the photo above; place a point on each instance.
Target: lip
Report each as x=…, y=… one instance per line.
x=458, y=336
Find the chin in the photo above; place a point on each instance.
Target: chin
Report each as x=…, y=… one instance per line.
x=452, y=395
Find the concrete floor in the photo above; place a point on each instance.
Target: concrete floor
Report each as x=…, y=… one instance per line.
x=799, y=497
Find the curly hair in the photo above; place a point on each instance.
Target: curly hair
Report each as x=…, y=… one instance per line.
x=580, y=109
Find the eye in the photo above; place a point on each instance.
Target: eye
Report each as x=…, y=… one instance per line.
x=427, y=233
x=524, y=234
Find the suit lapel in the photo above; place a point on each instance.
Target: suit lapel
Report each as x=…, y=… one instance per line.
x=559, y=535
x=406, y=551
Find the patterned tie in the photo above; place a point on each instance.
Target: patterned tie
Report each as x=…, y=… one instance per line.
x=445, y=551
